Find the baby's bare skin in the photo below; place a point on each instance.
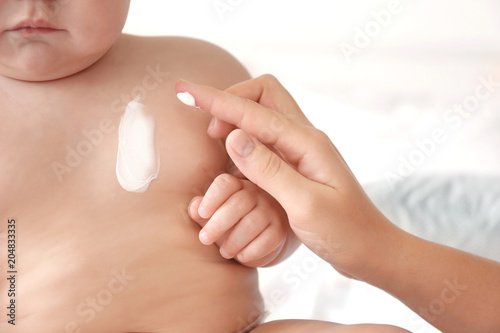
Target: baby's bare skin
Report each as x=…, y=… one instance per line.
x=91, y=256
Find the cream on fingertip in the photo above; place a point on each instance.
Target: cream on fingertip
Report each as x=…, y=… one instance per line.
x=187, y=98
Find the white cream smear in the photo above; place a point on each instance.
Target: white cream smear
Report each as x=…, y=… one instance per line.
x=136, y=164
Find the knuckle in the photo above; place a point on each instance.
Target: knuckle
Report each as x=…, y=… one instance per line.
x=221, y=103
x=233, y=245
x=254, y=224
x=238, y=201
x=271, y=167
x=217, y=102
x=225, y=179
x=231, y=248
x=316, y=139
x=221, y=183
x=247, y=113
x=250, y=253
x=211, y=195
x=269, y=78
x=216, y=228
x=319, y=135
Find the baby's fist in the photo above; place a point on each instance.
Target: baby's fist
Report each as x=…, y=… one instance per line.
x=242, y=219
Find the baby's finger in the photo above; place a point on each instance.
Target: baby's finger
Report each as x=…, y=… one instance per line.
x=219, y=191
x=247, y=229
x=266, y=243
x=193, y=211
x=227, y=215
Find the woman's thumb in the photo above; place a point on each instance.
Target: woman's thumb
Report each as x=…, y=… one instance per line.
x=264, y=168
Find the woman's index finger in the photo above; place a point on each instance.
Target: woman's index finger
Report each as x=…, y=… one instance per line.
x=261, y=122
x=269, y=92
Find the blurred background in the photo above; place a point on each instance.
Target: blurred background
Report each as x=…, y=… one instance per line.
x=425, y=60
x=405, y=89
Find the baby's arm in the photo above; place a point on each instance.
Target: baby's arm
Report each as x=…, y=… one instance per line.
x=244, y=221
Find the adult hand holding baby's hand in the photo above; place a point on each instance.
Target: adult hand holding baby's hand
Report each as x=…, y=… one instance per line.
x=245, y=222
x=278, y=149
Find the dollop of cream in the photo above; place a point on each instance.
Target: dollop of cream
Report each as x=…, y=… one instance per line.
x=136, y=164
x=186, y=98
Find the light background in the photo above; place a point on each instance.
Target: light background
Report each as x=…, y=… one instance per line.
x=375, y=108
x=426, y=60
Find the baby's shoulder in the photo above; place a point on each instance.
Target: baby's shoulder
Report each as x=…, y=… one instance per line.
x=193, y=59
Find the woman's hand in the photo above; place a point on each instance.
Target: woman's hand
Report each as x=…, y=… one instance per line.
x=277, y=148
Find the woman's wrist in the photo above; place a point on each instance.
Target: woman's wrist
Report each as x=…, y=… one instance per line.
x=379, y=250
x=389, y=256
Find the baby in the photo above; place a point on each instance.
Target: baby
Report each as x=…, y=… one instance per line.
x=92, y=253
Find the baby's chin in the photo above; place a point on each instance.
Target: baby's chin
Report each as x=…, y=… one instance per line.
x=30, y=77
x=41, y=76
x=44, y=71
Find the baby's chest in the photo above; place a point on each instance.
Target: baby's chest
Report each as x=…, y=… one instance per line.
x=77, y=154
x=186, y=160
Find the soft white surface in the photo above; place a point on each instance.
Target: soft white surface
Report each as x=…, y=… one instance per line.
x=377, y=109
x=462, y=211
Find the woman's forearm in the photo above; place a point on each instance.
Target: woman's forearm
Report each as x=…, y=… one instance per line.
x=452, y=290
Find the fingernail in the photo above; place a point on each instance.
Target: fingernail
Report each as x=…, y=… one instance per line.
x=204, y=238
x=202, y=211
x=212, y=124
x=191, y=209
x=224, y=254
x=184, y=81
x=242, y=144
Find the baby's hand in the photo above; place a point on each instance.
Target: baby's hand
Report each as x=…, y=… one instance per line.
x=242, y=219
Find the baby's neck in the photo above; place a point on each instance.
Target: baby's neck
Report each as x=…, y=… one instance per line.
x=36, y=92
